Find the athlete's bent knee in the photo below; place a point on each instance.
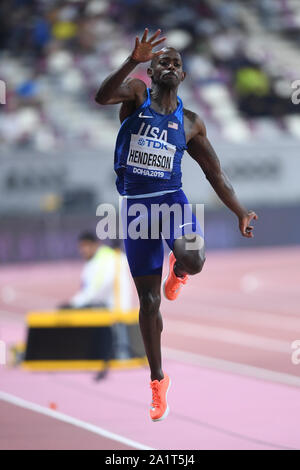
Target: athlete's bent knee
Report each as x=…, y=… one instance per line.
x=199, y=261
x=194, y=263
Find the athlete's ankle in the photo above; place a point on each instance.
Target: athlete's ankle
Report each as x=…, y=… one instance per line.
x=157, y=376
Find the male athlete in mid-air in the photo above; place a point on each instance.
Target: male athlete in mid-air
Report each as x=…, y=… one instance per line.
x=155, y=131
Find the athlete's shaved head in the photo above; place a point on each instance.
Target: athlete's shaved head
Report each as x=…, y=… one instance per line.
x=166, y=69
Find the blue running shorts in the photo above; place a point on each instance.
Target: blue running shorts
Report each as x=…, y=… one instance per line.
x=147, y=220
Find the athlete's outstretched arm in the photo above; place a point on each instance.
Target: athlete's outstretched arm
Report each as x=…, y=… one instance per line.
x=203, y=153
x=114, y=90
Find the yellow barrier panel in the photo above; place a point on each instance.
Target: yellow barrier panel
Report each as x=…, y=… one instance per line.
x=87, y=339
x=91, y=365
x=81, y=318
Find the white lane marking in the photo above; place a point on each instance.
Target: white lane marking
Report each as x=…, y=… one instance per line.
x=29, y=295
x=244, y=316
x=7, y=397
x=254, y=317
x=227, y=335
x=229, y=366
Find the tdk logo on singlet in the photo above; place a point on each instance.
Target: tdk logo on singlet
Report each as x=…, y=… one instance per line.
x=152, y=143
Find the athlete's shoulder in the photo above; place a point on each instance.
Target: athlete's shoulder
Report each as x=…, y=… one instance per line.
x=136, y=84
x=140, y=92
x=194, y=121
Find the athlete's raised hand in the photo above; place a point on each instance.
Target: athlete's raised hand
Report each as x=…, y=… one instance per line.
x=244, y=221
x=143, y=49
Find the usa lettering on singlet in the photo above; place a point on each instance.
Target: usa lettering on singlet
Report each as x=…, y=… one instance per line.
x=149, y=149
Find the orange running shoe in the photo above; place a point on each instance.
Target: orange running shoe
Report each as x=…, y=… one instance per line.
x=159, y=408
x=172, y=284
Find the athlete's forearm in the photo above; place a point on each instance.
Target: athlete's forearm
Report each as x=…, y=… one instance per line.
x=225, y=191
x=114, y=80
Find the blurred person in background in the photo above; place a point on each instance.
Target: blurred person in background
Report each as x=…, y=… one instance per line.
x=103, y=265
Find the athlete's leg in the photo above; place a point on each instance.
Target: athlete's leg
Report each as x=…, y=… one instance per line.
x=150, y=319
x=186, y=238
x=186, y=241
x=189, y=259
x=145, y=258
x=151, y=325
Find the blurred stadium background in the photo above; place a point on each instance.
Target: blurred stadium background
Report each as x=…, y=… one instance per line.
x=57, y=143
x=56, y=161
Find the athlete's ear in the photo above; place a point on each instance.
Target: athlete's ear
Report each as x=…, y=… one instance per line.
x=183, y=76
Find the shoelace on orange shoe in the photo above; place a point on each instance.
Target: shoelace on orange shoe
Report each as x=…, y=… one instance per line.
x=181, y=280
x=155, y=394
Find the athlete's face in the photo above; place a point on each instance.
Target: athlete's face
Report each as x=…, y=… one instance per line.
x=167, y=69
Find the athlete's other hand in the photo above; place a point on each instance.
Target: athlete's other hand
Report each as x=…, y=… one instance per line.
x=143, y=49
x=244, y=221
